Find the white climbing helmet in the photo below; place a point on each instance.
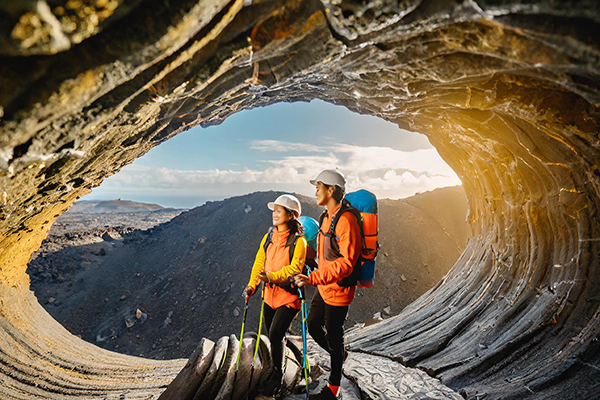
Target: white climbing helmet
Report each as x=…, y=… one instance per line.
x=330, y=177
x=288, y=201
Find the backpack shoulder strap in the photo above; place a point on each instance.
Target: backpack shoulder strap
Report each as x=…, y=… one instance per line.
x=346, y=206
x=292, y=247
x=359, y=221
x=269, y=239
x=359, y=218
x=322, y=217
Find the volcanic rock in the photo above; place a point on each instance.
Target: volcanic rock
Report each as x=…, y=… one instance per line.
x=507, y=91
x=111, y=236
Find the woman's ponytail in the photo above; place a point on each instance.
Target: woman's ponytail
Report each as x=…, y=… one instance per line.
x=296, y=228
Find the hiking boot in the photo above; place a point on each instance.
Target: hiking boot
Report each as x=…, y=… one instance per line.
x=272, y=385
x=325, y=394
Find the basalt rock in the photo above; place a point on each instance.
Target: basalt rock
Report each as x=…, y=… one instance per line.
x=507, y=91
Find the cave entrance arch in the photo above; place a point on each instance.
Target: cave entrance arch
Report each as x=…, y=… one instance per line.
x=280, y=147
x=95, y=289
x=507, y=93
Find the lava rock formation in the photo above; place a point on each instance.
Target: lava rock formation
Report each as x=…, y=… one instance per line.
x=507, y=91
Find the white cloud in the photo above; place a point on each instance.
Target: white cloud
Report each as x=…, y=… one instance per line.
x=389, y=173
x=162, y=177
x=383, y=170
x=371, y=158
x=394, y=185
x=280, y=146
x=360, y=158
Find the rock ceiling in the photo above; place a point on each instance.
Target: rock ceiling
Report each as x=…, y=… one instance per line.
x=507, y=91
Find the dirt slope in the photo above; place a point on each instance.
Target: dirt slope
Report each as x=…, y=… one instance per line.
x=186, y=276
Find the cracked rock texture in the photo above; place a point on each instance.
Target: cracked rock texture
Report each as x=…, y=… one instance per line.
x=507, y=91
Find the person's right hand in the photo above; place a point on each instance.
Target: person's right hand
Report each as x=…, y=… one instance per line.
x=249, y=291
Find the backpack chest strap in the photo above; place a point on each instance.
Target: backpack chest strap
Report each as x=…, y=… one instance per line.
x=329, y=235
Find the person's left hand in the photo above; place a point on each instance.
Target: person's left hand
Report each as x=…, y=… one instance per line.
x=301, y=280
x=262, y=275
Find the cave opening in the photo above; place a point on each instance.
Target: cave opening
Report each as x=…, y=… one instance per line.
x=103, y=281
x=506, y=91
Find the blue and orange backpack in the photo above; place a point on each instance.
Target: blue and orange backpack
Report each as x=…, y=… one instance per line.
x=363, y=205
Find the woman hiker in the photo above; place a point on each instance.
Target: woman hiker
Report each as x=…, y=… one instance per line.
x=281, y=253
x=330, y=305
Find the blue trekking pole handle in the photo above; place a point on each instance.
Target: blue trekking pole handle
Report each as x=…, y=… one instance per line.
x=306, y=338
x=305, y=364
x=303, y=312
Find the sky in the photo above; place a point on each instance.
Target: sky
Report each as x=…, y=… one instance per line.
x=281, y=147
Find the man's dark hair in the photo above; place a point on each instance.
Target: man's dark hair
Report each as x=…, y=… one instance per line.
x=338, y=193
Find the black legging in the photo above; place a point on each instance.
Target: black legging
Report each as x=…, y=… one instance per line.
x=277, y=323
x=326, y=326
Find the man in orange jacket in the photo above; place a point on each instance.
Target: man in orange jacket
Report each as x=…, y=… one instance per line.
x=329, y=307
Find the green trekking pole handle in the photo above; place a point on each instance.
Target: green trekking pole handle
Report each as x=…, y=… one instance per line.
x=237, y=363
x=262, y=309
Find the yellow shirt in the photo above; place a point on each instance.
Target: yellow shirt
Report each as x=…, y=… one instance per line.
x=278, y=267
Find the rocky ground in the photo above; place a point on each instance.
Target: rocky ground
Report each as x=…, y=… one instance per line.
x=154, y=283
x=367, y=376
x=82, y=236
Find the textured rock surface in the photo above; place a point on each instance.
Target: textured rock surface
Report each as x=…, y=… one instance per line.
x=382, y=378
x=31, y=27
x=378, y=377
x=507, y=91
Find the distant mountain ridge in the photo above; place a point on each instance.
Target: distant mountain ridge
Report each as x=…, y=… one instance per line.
x=114, y=206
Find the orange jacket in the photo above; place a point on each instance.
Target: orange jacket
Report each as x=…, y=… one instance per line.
x=276, y=263
x=331, y=272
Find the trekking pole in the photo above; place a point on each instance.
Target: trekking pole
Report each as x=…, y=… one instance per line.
x=262, y=309
x=308, y=272
x=305, y=365
x=237, y=364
